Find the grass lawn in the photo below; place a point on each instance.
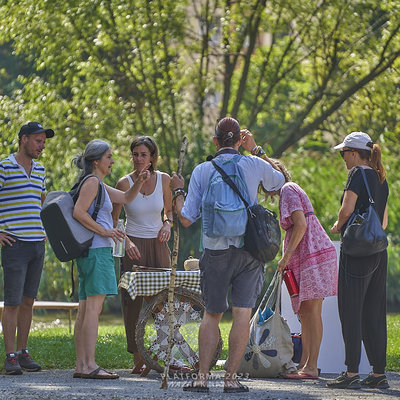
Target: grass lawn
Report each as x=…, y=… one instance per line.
x=53, y=347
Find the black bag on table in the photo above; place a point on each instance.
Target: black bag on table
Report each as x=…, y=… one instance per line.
x=364, y=234
x=262, y=238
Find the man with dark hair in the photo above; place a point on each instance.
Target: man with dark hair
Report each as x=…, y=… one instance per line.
x=224, y=263
x=22, y=236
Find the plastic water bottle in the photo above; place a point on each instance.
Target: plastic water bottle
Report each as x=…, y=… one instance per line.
x=119, y=247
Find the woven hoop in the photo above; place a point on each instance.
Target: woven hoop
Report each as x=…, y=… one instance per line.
x=183, y=298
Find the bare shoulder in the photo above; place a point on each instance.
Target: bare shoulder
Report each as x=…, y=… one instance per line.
x=122, y=184
x=91, y=183
x=165, y=177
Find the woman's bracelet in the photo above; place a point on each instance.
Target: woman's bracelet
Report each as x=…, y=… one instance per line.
x=167, y=220
x=290, y=251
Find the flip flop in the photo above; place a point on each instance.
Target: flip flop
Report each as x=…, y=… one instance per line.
x=191, y=387
x=236, y=389
x=304, y=375
x=95, y=374
x=77, y=375
x=293, y=375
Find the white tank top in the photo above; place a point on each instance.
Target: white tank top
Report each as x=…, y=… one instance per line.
x=143, y=214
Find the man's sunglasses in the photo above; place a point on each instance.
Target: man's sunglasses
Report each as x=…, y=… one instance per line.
x=344, y=151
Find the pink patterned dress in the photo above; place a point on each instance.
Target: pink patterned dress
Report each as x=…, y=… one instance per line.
x=314, y=261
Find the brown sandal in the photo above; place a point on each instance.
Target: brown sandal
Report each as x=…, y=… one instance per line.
x=236, y=389
x=191, y=387
x=95, y=374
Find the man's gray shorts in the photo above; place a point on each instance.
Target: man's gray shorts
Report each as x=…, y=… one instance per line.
x=235, y=268
x=22, y=265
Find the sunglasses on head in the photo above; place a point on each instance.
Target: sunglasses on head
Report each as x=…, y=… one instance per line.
x=344, y=151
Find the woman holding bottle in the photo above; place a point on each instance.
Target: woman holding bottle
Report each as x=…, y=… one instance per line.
x=148, y=229
x=310, y=255
x=96, y=271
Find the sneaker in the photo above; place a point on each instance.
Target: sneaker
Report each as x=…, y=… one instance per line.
x=11, y=365
x=26, y=362
x=344, y=382
x=375, y=382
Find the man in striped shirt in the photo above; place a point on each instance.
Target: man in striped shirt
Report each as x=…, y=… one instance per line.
x=22, y=236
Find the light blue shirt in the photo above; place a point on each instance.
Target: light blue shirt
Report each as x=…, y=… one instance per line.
x=255, y=171
x=104, y=218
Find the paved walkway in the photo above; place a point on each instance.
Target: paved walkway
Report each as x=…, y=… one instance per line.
x=59, y=384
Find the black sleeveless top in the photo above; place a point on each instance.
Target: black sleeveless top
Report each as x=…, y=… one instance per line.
x=379, y=191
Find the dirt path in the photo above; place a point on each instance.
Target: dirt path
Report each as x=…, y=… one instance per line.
x=59, y=384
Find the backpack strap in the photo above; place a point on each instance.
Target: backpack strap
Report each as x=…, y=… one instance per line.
x=230, y=182
x=74, y=192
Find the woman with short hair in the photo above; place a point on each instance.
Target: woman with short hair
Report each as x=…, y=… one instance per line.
x=148, y=229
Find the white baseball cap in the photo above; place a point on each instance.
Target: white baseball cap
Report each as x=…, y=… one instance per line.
x=356, y=140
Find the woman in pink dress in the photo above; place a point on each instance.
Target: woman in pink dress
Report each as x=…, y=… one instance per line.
x=310, y=254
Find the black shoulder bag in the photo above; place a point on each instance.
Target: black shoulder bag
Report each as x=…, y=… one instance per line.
x=262, y=238
x=364, y=234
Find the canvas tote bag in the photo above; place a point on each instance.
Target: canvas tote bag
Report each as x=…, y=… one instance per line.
x=270, y=349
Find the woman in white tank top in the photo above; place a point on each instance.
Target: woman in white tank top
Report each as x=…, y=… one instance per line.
x=148, y=229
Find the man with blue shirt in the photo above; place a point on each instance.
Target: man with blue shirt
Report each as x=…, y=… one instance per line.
x=225, y=264
x=22, y=237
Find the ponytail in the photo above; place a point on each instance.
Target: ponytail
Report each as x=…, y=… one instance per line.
x=376, y=163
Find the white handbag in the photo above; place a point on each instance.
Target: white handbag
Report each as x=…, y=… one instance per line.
x=270, y=349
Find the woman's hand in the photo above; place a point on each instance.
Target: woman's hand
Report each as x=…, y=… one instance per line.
x=335, y=229
x=115, y=234
x=144, y=174
x=248, y=142
x=165, y=232
x=283, y=262
x=131, y=250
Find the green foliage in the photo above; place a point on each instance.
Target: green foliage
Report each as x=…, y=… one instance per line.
x=299, y=74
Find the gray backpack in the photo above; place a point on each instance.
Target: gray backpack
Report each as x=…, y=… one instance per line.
x=68, y=238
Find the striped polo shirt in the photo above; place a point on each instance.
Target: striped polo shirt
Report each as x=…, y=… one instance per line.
x=20, y=199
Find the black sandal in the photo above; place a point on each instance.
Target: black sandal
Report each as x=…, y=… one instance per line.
x=191, y=387
x=236, y=389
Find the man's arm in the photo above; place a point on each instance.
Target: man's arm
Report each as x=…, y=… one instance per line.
x=177, y=182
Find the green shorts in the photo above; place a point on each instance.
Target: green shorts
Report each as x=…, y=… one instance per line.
x=96, y=273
